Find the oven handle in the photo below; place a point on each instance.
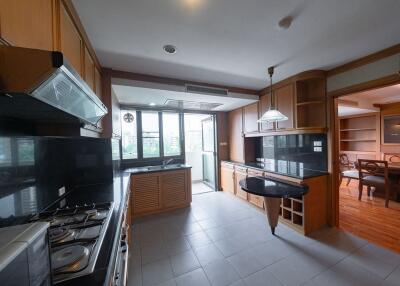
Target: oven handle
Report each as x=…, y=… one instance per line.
x=125, y=252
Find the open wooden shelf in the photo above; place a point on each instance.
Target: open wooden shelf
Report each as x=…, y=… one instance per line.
x=311, y=103
x=358, y=129
x=359, y=136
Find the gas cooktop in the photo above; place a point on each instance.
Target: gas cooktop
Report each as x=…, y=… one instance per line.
x=76, y=234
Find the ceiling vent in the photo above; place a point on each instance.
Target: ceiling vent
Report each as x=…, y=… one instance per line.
x=191, y=105
x=206, y=90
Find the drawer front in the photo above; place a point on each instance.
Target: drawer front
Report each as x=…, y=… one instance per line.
x=227, y=165
x=256, y=200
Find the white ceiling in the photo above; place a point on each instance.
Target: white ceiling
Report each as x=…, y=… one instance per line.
x=233, y=42
x=143, y=96
x=384, y=95
x=365, y=100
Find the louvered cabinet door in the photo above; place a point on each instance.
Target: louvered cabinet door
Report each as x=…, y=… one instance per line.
x=146, y=193
x=174, y=188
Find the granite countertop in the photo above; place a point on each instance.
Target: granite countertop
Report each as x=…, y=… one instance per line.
x=270, y=187
x=284, y=168
x=158, y=168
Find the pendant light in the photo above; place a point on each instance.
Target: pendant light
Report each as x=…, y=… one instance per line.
x=272, y=115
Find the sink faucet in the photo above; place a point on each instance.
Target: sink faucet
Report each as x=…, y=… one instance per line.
x=166, y=162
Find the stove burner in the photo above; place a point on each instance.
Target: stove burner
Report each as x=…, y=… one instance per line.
x=69, y=258
x=63, y=220
x=99, y=215
x=60, y=233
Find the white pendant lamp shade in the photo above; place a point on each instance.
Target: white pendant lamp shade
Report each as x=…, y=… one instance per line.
x=272, y=115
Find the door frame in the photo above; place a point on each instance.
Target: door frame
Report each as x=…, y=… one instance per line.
x=213, y=115
x=333, y=135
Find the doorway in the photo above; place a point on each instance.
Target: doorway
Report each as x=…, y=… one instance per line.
x=361, y=131
x=200, y=151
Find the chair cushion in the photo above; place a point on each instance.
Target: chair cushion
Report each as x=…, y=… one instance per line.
x=350, y=174
x=375, y=180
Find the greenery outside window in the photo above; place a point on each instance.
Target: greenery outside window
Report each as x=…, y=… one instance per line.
x=151, y=135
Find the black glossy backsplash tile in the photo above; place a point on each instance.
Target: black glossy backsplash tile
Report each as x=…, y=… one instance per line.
x=32, y=169
x=308, y=149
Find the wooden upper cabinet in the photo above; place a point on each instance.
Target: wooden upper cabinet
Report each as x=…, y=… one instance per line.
x=89, y=74
x=284, y=102
x=264, y=106
x=236, y=139
x=250, y=113
x=97, y=83
x=27, y=23
x=70, y=40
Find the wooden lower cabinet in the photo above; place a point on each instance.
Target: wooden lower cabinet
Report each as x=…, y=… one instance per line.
x=240, y=174
x=304, y=214
x=228, y=177
x=160, y=191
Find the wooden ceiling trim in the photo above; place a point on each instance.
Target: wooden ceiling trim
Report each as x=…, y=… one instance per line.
x=365, y=60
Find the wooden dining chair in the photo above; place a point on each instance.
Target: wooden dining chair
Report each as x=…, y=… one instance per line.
x=347, y=169
x=373, y=173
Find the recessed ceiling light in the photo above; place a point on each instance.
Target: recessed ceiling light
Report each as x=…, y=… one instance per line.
x=285, y=22
x=169, y=49
x=152, y=104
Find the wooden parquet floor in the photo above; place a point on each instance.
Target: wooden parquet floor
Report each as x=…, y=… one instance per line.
x=368, y=218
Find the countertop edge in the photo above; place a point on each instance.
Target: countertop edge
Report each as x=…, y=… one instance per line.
x=322, y=173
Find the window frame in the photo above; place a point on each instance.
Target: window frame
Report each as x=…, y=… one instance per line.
x=140, y=160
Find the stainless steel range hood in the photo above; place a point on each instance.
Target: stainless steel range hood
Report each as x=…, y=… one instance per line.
x=42, y=86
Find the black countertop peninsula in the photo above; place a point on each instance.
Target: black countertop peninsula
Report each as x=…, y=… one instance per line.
x=284, y=168
x=271, y=187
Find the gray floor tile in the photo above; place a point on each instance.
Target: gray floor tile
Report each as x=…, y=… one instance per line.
x=230, y=246
x=262, y=278
x=296, y=269
x=198, y=239
x=221, y=273
x=375, y=260
x=230, y=240
x=157, y=272
x=207, y=254
x=394, y=277
x=184, y=262
x=153, y=253
x=347, y=273
x=245, y=263
x=193, y=278
x=176, y=245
